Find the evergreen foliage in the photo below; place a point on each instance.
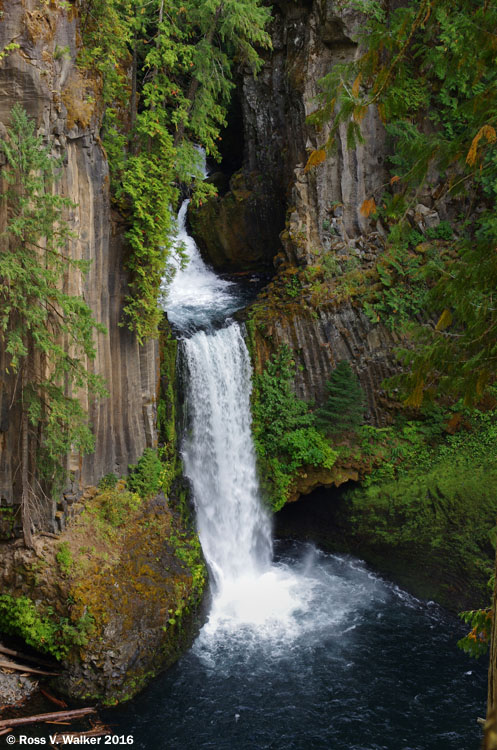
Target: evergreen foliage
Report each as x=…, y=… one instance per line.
x=145, y=477
x=285, y=440
x=344, y=407
x=182, y=58
x=277, y=411
x=429, y=67
x=46, y=335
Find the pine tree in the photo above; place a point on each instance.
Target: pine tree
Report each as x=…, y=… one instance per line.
x=45, y=334
x=344, y=407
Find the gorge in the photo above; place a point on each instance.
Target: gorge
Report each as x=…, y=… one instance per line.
x=293, y=635
x=308, y=249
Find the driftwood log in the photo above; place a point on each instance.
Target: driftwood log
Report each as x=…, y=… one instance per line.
x=23, y=668
x=26, y=657
x=75, y=713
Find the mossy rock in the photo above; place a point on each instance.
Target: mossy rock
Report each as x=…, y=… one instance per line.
x=234, y=231
x=125, y=603
x=433, y=533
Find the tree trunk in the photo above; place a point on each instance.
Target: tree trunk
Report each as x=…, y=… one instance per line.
x=26, y=491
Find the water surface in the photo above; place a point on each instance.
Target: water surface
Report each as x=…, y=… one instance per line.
x=356, y=664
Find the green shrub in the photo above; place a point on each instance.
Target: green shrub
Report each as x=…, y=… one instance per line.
x=108, y=482
x=115, y=507
x=285, y=440
x=145, y=477
x=331, y=266
x=293, y=288
x=21, y=617
x=64, y=558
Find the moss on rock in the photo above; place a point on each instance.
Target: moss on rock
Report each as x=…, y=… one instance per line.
x=432, y=532
x=135, y=582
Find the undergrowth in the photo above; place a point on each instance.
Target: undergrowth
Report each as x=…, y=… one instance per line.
x=41, y=627
x=284, y=436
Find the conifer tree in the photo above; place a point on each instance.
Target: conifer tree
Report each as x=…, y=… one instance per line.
x=45, y=334
x=344, y=407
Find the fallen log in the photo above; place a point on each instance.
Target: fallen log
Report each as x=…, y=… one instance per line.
x=23, y=668
x=26, y=657
x=75, y=713
x=52, y=698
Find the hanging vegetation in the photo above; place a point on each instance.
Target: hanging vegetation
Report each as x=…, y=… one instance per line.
x=167, y=74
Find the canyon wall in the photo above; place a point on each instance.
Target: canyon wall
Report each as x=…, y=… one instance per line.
x=43, y=77
x=308, y=41
x=318, y=210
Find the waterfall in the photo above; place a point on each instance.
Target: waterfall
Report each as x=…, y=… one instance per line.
x=196, y=297
x=218, y=452
x=219, y=457
x=290, y=642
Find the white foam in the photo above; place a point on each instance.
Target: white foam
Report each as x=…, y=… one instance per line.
x=195, y=294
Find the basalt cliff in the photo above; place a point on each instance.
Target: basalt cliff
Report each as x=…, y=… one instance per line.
x=128, y=570
x=42, y=76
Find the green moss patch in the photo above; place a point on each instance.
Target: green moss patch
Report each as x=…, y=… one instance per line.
x=39, y=626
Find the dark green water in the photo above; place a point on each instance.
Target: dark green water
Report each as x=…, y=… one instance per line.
x=357, y=664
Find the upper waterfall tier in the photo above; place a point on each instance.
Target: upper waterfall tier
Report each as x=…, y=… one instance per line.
x=196, y=298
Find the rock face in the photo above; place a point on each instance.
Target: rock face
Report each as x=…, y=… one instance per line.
x=308, y=40
x=43, y=78
x=123, y=604
x=322, y=340
x=238, y=231
x=316, y=213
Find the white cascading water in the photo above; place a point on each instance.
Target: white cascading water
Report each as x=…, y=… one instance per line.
x=218, y=452
x=219, y=457
x=195, y=296
x=234, y=528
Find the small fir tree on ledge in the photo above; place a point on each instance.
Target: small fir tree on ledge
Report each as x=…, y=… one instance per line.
x=344, y=408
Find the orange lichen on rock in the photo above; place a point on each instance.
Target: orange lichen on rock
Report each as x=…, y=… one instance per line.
x=79, y=100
